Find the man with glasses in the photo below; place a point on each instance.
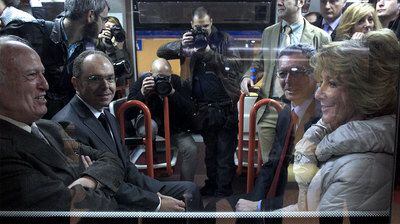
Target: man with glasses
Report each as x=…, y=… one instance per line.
x=151, y=88
x=296, y=77
x=86, y=119
x=331, y=11
x=59, y=42
x=293, y=29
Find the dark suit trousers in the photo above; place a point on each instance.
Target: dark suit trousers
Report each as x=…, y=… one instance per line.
x=186, y=191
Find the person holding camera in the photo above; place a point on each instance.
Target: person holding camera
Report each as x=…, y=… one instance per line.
x=214, y=85
x=151, y=88
x=111, y=41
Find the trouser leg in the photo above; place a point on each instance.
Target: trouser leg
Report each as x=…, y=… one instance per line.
x=188, y=151
x=266, y=131
x=185, y=191
x=210, y=141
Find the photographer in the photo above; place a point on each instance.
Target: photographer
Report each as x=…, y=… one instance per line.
x=151, y=88
x=214, y=85
x=112, y=42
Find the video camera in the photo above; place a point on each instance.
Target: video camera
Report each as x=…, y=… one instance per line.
x=200, y=40
x=117, y=32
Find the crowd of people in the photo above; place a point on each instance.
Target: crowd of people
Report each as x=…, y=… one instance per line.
x=336, y=78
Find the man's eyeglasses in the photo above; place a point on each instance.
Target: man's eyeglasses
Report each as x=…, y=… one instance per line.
x=99, y=79
x=294, y=71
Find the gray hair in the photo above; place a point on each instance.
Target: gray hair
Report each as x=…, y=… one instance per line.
x=305, y=49
x=3, y=40
x=77, y=67
x=76, y=9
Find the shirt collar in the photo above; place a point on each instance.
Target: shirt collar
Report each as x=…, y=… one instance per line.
x=94, y=111
x=19, y=124
x=295, y=26
x=300, y=110
x=333, y=24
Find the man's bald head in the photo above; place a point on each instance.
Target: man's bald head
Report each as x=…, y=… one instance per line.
x=161, y=66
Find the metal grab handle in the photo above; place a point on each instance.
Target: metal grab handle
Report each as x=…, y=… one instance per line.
x=167, y=135
x=252, y=140
x=239, y=169
x=147, y=125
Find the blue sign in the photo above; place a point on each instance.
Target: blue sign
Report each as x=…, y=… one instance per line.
x=139, y=45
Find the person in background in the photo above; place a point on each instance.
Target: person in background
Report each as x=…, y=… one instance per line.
x=147, y=89
x=357, y=20
x=111, y=41
x=58, y=43
x=293, y=29
x=10, y=12
x=86, y=118
x=331, y=11
x=389, y=15
x=214, y=85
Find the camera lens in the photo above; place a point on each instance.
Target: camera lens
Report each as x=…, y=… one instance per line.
x=162, y=85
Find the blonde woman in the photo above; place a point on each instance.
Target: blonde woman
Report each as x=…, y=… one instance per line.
x=357, y=20
x=353, y=144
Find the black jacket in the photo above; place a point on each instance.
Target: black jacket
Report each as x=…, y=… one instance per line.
x=180, y=105
x=224, y=59
x=47, y=39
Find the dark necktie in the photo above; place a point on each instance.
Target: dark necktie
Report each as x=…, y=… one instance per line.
x=103, y=120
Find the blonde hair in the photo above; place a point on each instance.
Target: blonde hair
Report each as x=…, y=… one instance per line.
x=351, y=16
x=368, y=68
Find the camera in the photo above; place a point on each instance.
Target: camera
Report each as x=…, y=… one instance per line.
x=162, y=85
x=200, y=40
x=118, y=33
x=121, y=67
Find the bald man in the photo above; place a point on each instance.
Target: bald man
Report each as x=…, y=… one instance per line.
x=150, y=88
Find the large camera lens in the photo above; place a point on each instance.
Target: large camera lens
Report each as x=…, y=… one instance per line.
x=121, y=67
x=162, y=85
x=200, y=40
x=118, y=33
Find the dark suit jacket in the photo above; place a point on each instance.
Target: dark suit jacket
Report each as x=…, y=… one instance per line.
x=138, y=192
x=35, y=175
x=267, y=172
x=318, y=24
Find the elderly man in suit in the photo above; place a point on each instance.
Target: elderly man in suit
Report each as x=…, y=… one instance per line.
x=292, y=29
x=85, y=116
x=39, y=164
x=296, y=79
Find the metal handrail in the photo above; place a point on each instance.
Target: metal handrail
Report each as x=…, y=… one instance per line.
x=252, y=141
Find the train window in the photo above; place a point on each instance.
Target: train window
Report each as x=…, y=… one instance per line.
x=292, y=112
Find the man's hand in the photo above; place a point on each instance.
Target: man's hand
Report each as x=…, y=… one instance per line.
x=187, y=39
x=147, y=85
x=244, y=85
x=85, y=181
x=244, y=205
x=170, y=204
x=86, y=161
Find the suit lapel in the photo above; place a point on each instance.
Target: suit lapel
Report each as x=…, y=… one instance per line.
x=52, y=155
x=115, y=131
x=91, y=122
x=308, y=33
